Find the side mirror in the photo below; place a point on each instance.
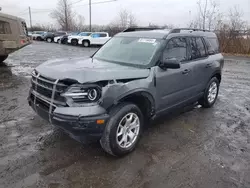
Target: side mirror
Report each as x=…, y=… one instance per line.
x=170, y=64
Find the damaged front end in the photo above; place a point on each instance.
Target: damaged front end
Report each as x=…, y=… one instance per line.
x=80, y=109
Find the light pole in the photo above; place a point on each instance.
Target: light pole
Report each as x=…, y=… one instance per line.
x=90, y=16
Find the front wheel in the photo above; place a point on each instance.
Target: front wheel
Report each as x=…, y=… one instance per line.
x=123, y=129
x=49, y=40
x=3, y=57
x=85, y=43
x=210, y=94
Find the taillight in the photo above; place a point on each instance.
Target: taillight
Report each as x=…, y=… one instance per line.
x=23, y=41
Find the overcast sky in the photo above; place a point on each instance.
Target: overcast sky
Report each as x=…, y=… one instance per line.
x=177, y=12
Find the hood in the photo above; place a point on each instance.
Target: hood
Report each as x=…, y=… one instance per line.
x=88, y=70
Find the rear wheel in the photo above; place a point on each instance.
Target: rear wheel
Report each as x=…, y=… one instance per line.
x=39, y=38
x=64, y=41
x=3, y=57
x=210, y=94
x=123, y=129
x=74, y=42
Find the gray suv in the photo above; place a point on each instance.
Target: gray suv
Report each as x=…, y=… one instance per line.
x=136, y=76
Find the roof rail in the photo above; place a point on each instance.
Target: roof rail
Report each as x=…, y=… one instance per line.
x=178, y=30
x=131, y=29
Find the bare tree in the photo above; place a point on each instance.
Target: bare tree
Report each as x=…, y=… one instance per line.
x=125, y=19
x=208, y=14
x=231, y=33
x=64, y=15
x=202, y=13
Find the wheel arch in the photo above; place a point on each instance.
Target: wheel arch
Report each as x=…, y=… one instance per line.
x=217, y=74
x=143, y=99
x=83, y=40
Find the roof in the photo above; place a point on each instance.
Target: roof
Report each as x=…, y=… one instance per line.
x=10, y=16
x=157, y=34
x=164, y=33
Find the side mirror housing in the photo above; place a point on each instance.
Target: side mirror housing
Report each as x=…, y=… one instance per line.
x=170, y=64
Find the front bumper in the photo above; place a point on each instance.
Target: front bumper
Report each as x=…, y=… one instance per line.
x=79, y=122
x=69, y=40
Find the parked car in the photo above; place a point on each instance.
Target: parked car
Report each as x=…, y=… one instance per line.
x=134, y=77
x=98, y=38
x=49, y=37
x=37, y=35
x=73, y=39
x=13, y=35
x=64, y=39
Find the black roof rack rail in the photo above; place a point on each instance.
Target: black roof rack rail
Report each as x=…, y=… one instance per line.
x=178, y=30
x=131, y=29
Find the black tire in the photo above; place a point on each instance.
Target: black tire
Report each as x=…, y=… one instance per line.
x=204, y=101
x=108, y=140
x=85, y=43
x=49, y=39
x=39, y=38
x=74, y=42
x=3, y=57
x=64, y=41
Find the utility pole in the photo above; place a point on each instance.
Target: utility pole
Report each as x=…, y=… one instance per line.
x=30, y=18
x=90, y=16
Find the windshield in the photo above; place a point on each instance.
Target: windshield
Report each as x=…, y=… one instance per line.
x=129, y=50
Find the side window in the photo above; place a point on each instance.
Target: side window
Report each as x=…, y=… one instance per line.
x=201, y=46
x=197, y=48
x=103, y=35
x=176, y=48
x=95, y=35
x=209, y=45
x=5, y=28
x=215, y=44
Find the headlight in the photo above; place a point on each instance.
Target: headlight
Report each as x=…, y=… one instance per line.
x=92, y=94
x=83, y=94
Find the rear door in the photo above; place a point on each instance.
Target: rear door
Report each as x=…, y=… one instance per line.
x=95, y=38
x=103, y=38
x=202, y=63
x=174, y=86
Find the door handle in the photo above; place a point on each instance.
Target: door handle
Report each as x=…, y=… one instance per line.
x=209, y=65
x=186, y=71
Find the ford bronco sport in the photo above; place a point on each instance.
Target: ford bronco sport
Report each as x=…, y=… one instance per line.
x=135, y=76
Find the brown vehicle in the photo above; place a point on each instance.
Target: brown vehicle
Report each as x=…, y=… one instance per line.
x=13, y=35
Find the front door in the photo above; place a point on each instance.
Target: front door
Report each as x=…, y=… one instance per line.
x=174, y=86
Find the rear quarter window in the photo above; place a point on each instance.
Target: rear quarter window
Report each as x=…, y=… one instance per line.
x=103, y=35
x=5, y=28
x=214, y=44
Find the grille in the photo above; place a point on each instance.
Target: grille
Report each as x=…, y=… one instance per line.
x=44, y=88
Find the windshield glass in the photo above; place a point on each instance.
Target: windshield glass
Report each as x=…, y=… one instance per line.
x=129, y=50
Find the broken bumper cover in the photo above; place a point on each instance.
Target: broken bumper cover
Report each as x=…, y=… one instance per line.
x=79, y=122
